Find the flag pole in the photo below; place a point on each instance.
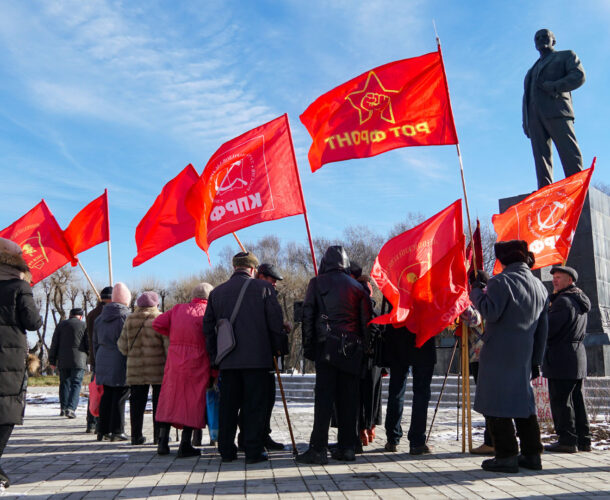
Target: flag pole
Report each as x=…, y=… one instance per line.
x=313, y=253
x=97, y=294
x=243, y=249
x=109, y=246
x=465, y=333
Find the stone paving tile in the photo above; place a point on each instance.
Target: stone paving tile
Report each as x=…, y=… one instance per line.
x=51, y=457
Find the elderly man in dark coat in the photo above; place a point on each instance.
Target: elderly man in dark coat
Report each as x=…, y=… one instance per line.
x=18, y=313
x=565, y=362
x=514, y=305
x=69, y=350
x=244, y=371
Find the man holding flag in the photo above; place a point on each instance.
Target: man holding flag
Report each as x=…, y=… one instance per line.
x=514, y=306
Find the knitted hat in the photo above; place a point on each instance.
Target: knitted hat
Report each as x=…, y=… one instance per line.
x=508, y=252
x=245, y=259
x=148, y=299
x=9, y=246
x=106, y=293
x=121, y=294
x=201, y=291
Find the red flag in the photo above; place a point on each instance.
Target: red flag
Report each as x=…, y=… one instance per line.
x=42, y=241
x=546, y=219
x=89, y=227
x=250, y=179
x=399, y=104
x=422, y=273
x=167, y=222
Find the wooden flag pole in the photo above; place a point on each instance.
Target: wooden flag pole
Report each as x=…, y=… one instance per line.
x=243, y=249
x=313, y=253
x=279, y=381
x=109, y=246
x=97, y=294
x=465, y=333
x=463, y=395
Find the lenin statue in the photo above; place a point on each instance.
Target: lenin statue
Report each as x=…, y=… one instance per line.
x=547, y=107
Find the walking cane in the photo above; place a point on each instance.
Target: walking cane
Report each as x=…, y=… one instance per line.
x=279, y=381
x=442, y=388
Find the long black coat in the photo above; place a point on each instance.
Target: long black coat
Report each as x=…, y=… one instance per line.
x=347, y=305
x=110, y=363
x=565, y=355
x=18, y=313
x=70, y=345
x=258, y=327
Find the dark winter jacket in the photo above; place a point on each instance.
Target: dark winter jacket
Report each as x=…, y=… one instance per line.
x=514, y=306
x=90, y=320
x=70, y=346
x=110, y=364
x=18, y=313
x=565, y=355
x=258, y=327
x=345, y=302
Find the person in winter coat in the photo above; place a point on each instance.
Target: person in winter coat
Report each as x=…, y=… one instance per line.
x=69, y=349
x=110, y=364
x=105, y=298
x=244, y=371
x=337, y=301
x=514, y=307
x=187, y=372
x=18, y=313
x=565, y=362
x=146, y=351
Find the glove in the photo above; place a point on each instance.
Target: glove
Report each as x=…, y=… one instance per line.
x=535, y=371
x=480, y=281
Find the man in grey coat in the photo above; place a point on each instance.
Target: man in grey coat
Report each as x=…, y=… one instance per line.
x=69, y=350
x=547, y=107
x=514, y=306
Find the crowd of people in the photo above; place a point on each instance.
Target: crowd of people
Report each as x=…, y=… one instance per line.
x=227, y=338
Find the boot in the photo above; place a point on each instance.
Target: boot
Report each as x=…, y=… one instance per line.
x=508, y=464
x=312, y=456
x=186, y=449
x=197, y=435
x=163, y=444
x=371, y=433
x=364, y=437
x=532, y=462
x=4, y=480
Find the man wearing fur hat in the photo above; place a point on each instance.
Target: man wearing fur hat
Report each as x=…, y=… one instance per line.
x=69, y=349
x=18, y=313
x=514, y=306
x=565, y=362
x=244, y=370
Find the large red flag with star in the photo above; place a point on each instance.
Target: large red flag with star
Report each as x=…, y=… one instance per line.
x=399, y=104
x=250, y=179
x=42, y=241
x=422, y=273
x=546, y=219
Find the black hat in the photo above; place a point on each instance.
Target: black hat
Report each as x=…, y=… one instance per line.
x=106, y=293
x=566, y=269
x=245, y=259
x=77, y=311
x=355, y=269
x=508, y=252
x=269, y=270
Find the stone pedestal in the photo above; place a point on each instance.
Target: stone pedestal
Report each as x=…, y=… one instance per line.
x=590, y=256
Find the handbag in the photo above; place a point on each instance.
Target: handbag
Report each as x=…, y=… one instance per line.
x=212, y=400
x=381, y=354
x=225, y=337
x=95, y=396
x=343, y=350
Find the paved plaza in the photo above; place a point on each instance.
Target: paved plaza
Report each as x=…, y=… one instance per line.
x=52, y=457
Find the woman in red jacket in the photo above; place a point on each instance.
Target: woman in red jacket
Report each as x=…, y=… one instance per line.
x=187, y=372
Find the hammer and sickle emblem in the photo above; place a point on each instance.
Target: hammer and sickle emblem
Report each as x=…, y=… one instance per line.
x=550, y=221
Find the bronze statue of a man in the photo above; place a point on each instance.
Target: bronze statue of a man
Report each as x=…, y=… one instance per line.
x=547, y=107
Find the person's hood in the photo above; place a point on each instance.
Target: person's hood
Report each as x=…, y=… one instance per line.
x=13, y=266
x=335, y=259
x=578, y=295
x=113, y=311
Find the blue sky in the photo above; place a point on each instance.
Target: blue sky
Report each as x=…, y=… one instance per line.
x=123, y=95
